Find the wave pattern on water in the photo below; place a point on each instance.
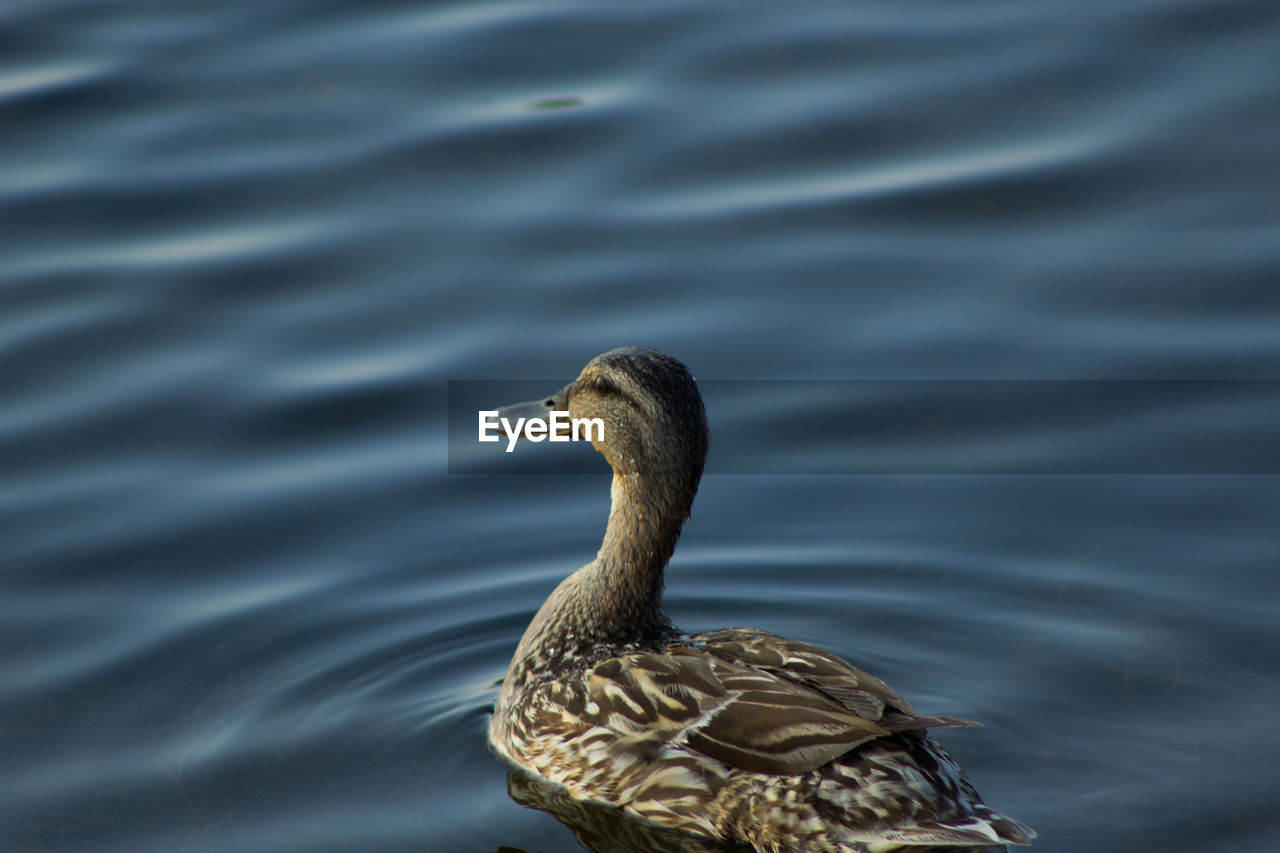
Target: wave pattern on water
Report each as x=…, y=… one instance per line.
x=244, y=604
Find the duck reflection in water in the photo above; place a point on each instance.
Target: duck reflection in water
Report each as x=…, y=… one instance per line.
x=608, y=829
x=735, y=736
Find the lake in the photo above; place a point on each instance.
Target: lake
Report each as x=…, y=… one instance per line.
x=983, y=298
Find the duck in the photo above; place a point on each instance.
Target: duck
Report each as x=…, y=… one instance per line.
x=735, y=735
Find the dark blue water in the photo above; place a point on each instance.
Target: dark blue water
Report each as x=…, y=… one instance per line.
x=245, y=247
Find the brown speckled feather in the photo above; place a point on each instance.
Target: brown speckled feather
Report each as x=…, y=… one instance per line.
x=821, y=671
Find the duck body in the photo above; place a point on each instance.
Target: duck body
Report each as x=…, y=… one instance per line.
x=738, y=735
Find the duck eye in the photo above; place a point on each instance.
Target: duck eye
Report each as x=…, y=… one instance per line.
x=604, y=386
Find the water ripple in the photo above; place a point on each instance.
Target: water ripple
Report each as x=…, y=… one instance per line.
x=863, y=182
x=244, y=603
x=35, y=81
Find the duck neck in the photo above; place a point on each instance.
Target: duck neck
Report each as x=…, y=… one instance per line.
x=616, y=599
x=644, y=524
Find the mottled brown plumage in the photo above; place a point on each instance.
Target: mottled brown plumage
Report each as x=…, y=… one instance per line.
x=736, y=735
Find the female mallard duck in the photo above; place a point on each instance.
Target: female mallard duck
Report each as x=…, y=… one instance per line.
x=736, y=734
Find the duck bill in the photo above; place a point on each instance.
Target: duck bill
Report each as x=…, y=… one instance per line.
x=524, y=411
x=521, y=415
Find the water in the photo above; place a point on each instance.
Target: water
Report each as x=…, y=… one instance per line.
x=244, y=248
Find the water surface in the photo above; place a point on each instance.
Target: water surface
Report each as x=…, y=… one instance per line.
x=244, y=249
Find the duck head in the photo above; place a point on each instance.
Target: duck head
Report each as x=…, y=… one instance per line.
x=655, y=426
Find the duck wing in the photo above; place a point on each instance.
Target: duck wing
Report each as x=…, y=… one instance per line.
x=752, y=701
x=821, y=671
x=745, y=718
